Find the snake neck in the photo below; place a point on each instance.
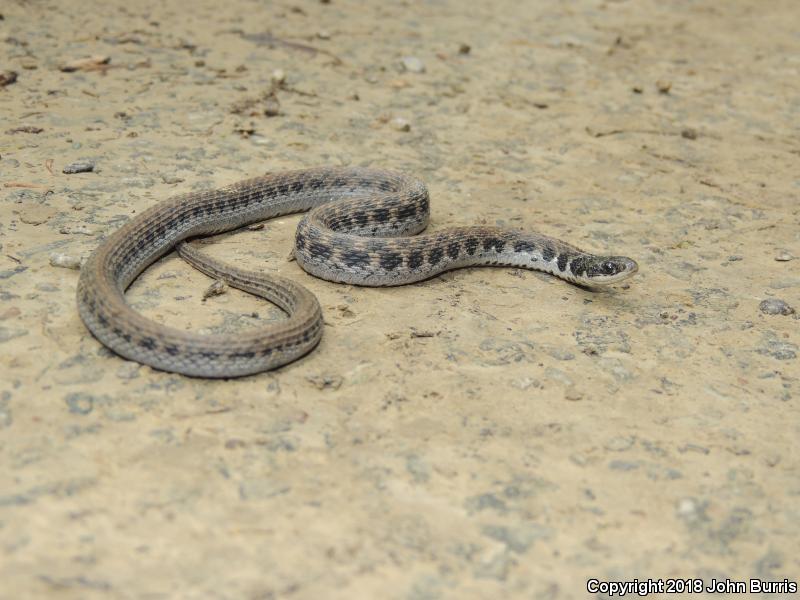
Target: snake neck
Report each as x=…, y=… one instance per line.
x=349, y=258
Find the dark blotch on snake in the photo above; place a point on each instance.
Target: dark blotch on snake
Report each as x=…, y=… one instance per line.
x=578, y=266
x=524, y=246
x=299, y=241
x=172, y=350
x=493, y=242
x=548, y=253
x=471, y=245
x=453, y=248
x=562, y=261
x=361, y=218
x=390, y=260
x=316, y=248
x=148, y=343
x=406, y=210
x=242, y=355
x=381, y=215
x=415, y=259
x=355, y=258
x=435, y=256
x=297, y=186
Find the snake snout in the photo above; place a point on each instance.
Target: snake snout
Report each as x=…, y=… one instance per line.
x=632, y=266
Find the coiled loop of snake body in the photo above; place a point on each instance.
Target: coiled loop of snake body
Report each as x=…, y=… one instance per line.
x=361, y=231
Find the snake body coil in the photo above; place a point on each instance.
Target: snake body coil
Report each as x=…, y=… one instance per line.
x=361, y=231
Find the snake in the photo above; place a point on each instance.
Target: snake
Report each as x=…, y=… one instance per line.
x=363, y=226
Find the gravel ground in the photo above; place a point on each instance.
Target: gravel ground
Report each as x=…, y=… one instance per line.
x=490, y=433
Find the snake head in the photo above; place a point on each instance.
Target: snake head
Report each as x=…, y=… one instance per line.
x=605, y=270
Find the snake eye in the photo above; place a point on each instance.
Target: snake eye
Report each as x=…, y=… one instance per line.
x=609, y=268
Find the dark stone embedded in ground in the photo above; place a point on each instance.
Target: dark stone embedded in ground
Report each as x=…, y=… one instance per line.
x=774, y=306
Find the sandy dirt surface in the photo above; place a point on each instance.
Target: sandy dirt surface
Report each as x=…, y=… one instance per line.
x=490, y=433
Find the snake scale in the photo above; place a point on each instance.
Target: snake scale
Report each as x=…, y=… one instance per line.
x=361, y=229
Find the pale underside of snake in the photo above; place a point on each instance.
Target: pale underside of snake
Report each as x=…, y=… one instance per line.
x=361, y=230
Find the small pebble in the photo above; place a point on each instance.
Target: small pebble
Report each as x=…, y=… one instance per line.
x=689, y=134
x=620, y=443
x=783, y=256
x=523, y=383
x=687, y=507
x=79, y=229
x=464, y=49
x=773, y=306
x=780, y=284
x=7, y=78
x=278, y=77
x=400, y=124
x=80, y=166
x=663, y=86
x=65, y=261
x=171, y=179
x=425, y=333
x=89, y=63
x=412, y=64
x=735, y=258
x=324, y=35
x=573, y=394
x=560, y=376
